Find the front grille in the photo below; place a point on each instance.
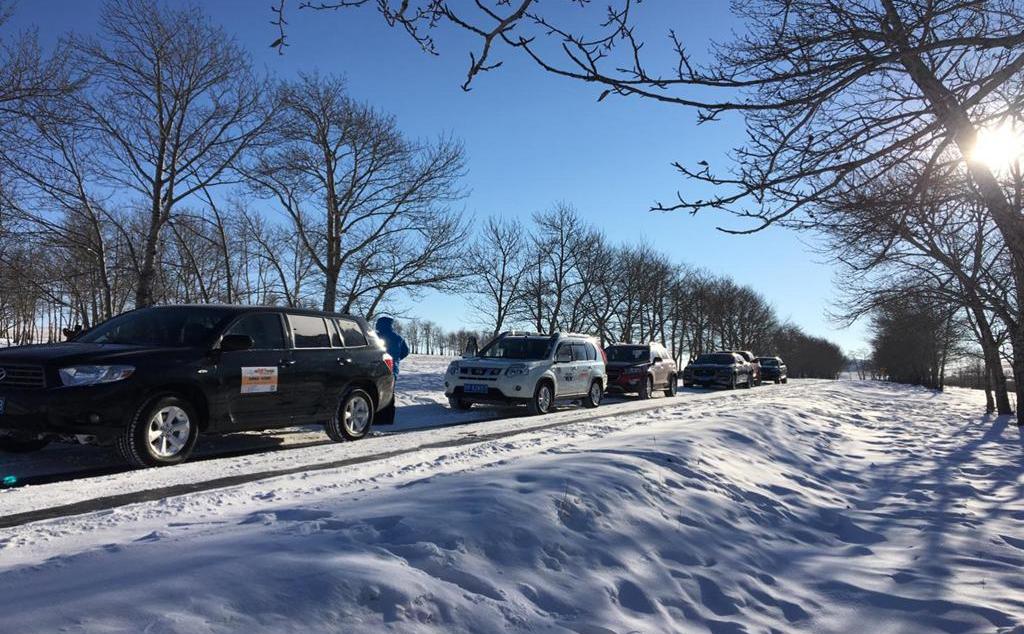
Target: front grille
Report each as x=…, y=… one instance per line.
x=480, y=371
x=703, y=372
x=22, y=376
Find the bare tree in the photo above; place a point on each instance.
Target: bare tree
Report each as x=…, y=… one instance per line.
x=497, y=265
x=174, y=105
x=366, y=203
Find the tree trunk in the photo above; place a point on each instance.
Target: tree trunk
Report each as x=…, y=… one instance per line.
x=331, y=290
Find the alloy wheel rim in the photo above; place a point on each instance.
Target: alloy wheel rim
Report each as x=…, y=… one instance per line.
x=595, y=393
x=544, y=398
x=357, y=415
x=168, y=431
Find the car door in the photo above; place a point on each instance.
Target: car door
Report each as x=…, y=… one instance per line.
x=564, y=370
x=661, y=364
x=353, y=357
x=584, y=370
x=255, y=383
x=314, y=365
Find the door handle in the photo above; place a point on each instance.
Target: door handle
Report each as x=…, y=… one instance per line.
x=286, y=363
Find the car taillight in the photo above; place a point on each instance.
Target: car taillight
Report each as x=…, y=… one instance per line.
x=604, y=356
x=390, y=362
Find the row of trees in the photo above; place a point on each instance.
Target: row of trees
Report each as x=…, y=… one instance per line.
x=152, y=164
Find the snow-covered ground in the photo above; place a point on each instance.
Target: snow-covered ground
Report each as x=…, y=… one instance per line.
x=815, y=506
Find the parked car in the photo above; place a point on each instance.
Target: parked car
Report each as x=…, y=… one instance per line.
x=718, y=368
x=641, y=369
x=749, y=357
x=529, y=369
x=773, y=369
x=152, y=380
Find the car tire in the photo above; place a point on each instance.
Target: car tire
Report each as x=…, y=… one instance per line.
x=647, y=389
x=353, y=418
x=732, y=382
x=777, y=381
x=10, y=444
x=673, y=385
x=784, y=380
x=162, y=433
x=593, y=397
x=543, y=399
x=460, y=404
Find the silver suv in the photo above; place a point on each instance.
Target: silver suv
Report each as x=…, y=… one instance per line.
x=529, y=369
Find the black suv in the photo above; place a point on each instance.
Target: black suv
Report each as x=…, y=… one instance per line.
x=719, y=368
x=773, y=369
x=641, y=369
x=151, y=380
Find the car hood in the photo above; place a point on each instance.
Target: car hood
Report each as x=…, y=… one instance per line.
x=71, y=352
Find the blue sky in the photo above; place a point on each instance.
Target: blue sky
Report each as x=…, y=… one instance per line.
x=533, y=139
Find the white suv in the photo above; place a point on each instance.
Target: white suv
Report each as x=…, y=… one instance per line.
x=535, y=370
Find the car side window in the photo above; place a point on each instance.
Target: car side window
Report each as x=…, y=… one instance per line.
x=264, y=329
x=563, y=348
x=309, y=332
x=579, y=352
x=591, y=352
x=351, y=333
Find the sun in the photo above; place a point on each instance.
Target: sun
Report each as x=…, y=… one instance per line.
x=1000, y=147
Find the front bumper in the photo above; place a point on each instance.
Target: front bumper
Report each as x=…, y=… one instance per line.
x=499, y=388
x=99, y=410
x=626, y=383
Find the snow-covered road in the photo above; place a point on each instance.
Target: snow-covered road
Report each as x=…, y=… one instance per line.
x=820, y=507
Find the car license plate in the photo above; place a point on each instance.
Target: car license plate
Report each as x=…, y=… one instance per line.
x=475, y=388
x=3, y=405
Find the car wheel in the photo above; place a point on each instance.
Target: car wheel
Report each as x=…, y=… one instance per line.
x=647, y=389
x=732, y=383
x=10, y=444
x=457, y=403
x=784, y=380
x=777, y=381
x=670, y=390
x=594, y=395
x=353, y=419
x=162, y=433
x=543, y=398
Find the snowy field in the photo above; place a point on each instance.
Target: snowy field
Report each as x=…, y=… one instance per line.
x=814, y=506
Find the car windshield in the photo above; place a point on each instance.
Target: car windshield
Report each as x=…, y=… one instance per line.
x=631, y=354
x=768, y=361
x=716, y=359
x=182, y=327
x=521, y=348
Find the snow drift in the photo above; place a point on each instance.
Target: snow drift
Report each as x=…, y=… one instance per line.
x=824, y=507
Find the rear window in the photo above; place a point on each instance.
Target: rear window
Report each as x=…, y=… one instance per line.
x=351, y=333
x=628, y=354
x=309, y=332
x=769, y=362
x=579, y=352
x=717, y=358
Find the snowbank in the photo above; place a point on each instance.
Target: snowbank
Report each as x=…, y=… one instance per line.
x=828, y=507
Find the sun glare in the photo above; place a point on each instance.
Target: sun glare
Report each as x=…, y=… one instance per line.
x=1000, y=147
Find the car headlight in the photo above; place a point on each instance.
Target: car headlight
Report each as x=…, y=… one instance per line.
x=453, y=368
x=518, y=369
x=95, y=374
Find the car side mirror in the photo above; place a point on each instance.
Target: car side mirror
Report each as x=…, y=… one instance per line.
x=564, y=356
x=657, y=359
x=236, y=343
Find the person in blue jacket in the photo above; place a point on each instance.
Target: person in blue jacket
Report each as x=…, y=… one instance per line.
x=395, y=343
